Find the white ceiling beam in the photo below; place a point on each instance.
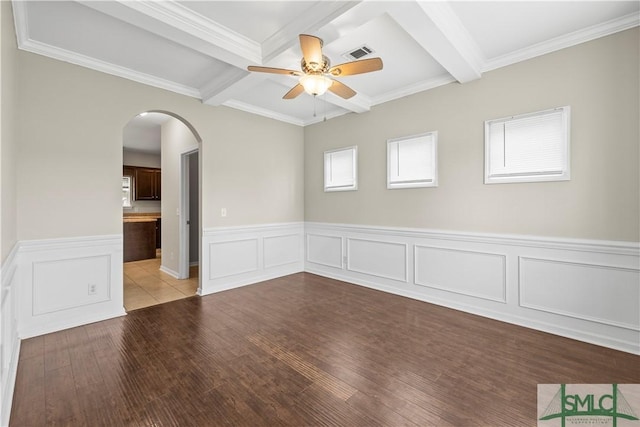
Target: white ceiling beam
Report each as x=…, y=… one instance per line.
x=309, y=22
x=357, y=104
x=223, y=88
x=439, y=31
x=177, y=23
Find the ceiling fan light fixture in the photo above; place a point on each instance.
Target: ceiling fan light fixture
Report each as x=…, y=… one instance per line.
x=315, y=84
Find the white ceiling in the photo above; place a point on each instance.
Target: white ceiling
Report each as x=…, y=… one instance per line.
x=142, y=133
x=202, y=48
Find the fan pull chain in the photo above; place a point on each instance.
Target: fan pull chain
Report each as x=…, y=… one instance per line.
x=314, y=105
x=325, y=107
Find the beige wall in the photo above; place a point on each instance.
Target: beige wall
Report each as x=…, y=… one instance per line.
x=68, y=129
x=8, y=211
x=256, y=173
x=599, y=80
x=70, y=122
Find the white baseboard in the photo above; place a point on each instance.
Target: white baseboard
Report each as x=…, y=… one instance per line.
x=585, y=290
x=170, y=272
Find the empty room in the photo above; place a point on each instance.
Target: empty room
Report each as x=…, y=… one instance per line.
x=319, y=213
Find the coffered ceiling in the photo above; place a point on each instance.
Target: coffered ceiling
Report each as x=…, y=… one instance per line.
x=202, y=48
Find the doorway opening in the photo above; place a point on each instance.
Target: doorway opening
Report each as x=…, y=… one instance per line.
x=189, y=214
x=160, y=174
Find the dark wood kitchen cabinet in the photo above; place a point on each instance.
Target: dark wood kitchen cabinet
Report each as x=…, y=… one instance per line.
x=129, y=171
x=147, y=184
x=158, y=233
x=139, y=240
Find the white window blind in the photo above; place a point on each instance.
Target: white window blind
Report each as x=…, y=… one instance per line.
x=412, y=161
x=340, y=169
x=528, y=148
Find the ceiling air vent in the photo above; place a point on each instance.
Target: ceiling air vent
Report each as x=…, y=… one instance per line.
x=358, y=53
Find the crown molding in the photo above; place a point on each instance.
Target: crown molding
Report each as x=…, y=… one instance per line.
x=577, y=37
x=242, y=106
x=105, y=67
x=214, y=92
x=413, y=89
x=180, y=17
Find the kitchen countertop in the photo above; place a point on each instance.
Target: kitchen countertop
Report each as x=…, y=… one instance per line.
x=140, y=217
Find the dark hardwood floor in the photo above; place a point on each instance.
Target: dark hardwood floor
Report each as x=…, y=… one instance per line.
x=300, y=351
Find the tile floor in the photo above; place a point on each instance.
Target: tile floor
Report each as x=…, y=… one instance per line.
x=146, y=285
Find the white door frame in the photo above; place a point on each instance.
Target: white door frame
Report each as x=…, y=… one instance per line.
x=183, y=229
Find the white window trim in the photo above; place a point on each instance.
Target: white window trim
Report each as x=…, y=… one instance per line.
x=391, y=185
x=563, y=175
x=352, y=187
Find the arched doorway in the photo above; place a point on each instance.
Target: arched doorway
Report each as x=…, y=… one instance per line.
x=161, y=207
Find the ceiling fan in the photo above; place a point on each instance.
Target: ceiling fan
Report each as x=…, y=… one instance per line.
x=315, y=77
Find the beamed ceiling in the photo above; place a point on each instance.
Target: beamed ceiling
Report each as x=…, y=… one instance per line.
x=202, y=48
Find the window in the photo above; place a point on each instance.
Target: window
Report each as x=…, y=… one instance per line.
x=340, y=169
x=528, y=148
x=126, y=191
x=413, y=161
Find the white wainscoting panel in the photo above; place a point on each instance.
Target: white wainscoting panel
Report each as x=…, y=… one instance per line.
x=476, y=274
x=387, y=260
x=9, y=340
x=582, y=289
x=69, y=282
x=281, y=250
x=324, y=250
x=238, y=256
x=86, y=282
x=598, y=293
x=232, y=257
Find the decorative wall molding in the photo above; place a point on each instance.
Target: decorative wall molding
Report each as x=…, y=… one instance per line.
x=583, y=289
x=493, y=276
x=242, y=255
x=582, y=245
x=462, y=271
x=9, y=341
x=363, y=256
x=233, y=257
x=325, y=250
x=69, y=282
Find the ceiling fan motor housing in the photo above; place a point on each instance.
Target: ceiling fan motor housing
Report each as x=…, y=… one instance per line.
x=314, y=67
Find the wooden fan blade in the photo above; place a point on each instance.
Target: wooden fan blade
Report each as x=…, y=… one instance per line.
x=273, y=70
x=311, y=48
x=295, y=91
x=342, y=90
x=356, y=67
